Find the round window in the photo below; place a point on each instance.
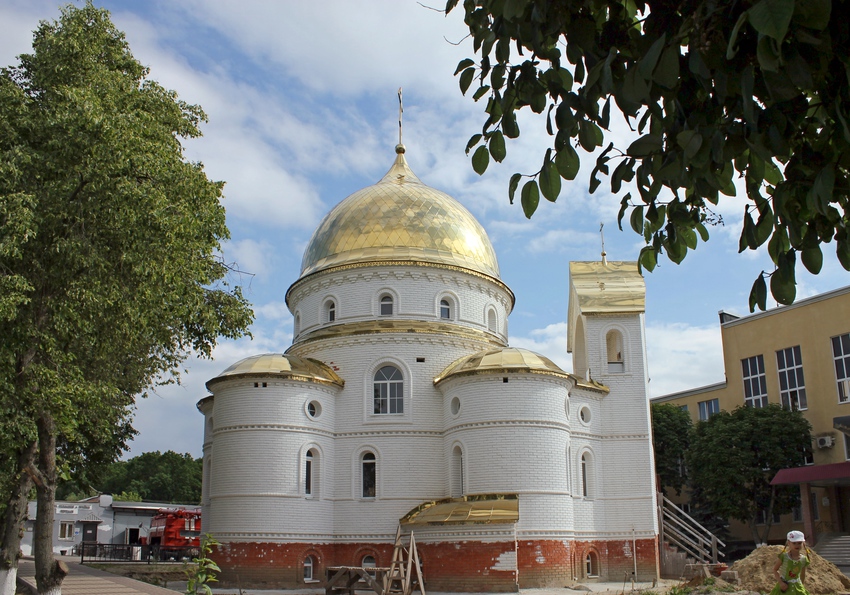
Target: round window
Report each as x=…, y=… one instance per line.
x=584, y=415
x=314, y=409
x=455, y=406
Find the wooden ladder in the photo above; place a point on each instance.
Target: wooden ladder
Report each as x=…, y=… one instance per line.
x=403, y=568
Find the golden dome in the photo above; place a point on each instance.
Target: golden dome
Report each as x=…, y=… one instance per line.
x=281, y=366
x=400, y=219
x=504, y=360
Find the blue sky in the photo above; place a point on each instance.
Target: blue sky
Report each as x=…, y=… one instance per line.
x=303, y=111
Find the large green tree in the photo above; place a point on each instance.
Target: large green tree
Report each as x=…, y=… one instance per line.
x=671, y=437
x=109, y=267
x=715, y=90
x=158, y=477
x=733, y=457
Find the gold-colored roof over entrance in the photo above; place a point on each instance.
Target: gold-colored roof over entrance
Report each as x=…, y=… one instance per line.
x=505, y=360
x=468, y=510
x=282, y=366
x=400, y=219
x=608, y=286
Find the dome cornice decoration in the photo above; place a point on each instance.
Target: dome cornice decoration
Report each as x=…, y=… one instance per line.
x=396, y=326
x=397, y=263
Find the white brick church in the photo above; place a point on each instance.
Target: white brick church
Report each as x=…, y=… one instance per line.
x=400, y=402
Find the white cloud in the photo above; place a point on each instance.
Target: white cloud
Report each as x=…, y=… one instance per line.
x=682, y=357
x=561, y=240
x=549, y=341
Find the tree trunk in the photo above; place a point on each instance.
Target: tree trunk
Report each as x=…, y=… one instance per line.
x=16, y=512
x=48, y=573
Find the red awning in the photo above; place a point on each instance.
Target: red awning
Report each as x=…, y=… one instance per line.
x=819, y=475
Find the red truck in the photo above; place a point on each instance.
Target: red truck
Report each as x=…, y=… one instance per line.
x=175, y=527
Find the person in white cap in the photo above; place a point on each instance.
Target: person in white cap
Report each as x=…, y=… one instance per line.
x=790, y=568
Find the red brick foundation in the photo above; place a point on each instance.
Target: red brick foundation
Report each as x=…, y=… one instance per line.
x=468, y=566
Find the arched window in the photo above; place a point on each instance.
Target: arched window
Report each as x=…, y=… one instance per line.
x=614, y=349
x=309, y=566
x=388, y=391
x=330, y=311
x=369, y=563
x=445, y=309
x=309, y=483
x=457, y=472
x=387, y=305
x=569, y=470
x=591, y=565
x=492, y=323
x=296, y=325
x=586, y=471
x=369, y=471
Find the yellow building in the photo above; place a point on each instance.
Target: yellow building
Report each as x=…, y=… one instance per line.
x=798, y=356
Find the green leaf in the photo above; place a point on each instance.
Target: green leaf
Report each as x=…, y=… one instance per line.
x=690, y=141
x=813, y=14
x=567, y=161
x=842, y=250
x=822, y=189
x=481, y=92
x=509, y=125
x=812, y=259
x=646, y=65
x=771, y=18
x=464, y=64
x=514, y=9
x=480, y=160
x=647, y=258
x=758, y=294
x=497, y=147
x=466, y=79
x=688, y=236
x=767, y=54
x=645, y=145
x=667, y=72
x=636, y=219
x=473, y=140
x=512, y=186
x=587, y=135
x=530, y=198
x=550, y=181
x=783, y=288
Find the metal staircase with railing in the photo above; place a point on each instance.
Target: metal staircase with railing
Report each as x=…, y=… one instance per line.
x=683, y=540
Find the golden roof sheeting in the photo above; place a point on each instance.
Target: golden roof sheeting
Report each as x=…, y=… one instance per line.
x=608, y=287
x=400, y=218
x=475, y=509
x=280, y=365
x=502, y=361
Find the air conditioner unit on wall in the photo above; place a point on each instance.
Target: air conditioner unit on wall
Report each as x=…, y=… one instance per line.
x=825, y=441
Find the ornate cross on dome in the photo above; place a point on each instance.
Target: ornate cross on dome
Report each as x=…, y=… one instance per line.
x=400, y=112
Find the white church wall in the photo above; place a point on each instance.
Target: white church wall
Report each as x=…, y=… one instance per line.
x=261, y=435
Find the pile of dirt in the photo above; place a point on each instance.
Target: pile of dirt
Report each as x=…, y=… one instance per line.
x=756, y=572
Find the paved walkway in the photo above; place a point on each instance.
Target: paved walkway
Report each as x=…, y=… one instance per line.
x=82, y=580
